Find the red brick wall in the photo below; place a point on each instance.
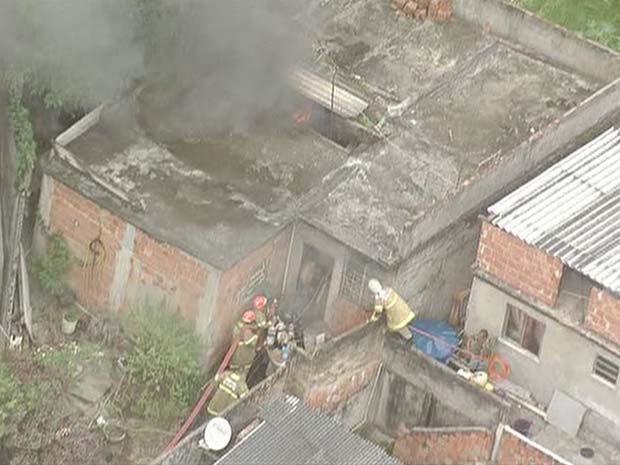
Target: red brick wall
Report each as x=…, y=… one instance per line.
x=444, y=447
x=79, y=220
x=341, y=368
x=514, y=451
x=236, y=278
x=332, y=388
x=519, y=265
x=158, y=271
x=603, y=315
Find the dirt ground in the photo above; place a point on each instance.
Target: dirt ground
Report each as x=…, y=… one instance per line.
x=75, y=379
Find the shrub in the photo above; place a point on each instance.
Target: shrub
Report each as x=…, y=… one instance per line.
x=15, y=398
x=51, y=270
x=163, y=369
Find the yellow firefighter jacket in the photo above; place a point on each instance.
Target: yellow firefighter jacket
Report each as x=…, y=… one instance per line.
x=230, y=387
x=246, y=350
x=396, y=309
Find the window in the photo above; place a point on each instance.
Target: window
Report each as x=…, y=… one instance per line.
x=605, y=369
x=353, y=283
x=523, y=330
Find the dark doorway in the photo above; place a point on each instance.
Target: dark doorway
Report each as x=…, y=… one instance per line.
x=312, y=288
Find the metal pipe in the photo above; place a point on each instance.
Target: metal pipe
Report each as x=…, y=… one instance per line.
x=288, y=259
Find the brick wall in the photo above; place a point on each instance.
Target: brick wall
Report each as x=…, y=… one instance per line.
x=160, y=272
x=603, y=315
x=230, y=302
x=156, y=272
x=81, y=221
x=444, y=446
x=341, y=368
x=514, y=450
x=519, y=265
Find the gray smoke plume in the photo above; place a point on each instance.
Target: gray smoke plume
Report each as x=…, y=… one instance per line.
x=213, y=63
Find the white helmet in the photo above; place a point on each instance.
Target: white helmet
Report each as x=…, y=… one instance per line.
x=375, y=286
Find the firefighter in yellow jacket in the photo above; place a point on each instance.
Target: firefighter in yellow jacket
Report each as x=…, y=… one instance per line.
x=247, y=332
x=397, y=311
x=231, y=386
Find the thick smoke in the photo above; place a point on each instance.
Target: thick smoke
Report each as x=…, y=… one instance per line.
x=213, y=63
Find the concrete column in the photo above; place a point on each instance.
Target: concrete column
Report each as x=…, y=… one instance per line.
x=122, y=268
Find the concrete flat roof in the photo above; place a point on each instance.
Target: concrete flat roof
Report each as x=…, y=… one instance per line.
x=442, y=100
x=218, y=198
x=458, y=96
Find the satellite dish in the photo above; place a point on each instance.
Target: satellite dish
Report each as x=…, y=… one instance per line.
x=217, y=434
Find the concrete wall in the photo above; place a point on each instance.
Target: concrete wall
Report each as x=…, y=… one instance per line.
x=565, y=360
x=509, y=170
x=555, y=43
x=521, y=266
x=341, y=315
x=458, y=402
x=430, y=277
x=439, y=446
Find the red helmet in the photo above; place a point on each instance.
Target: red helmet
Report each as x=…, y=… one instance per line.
x=259, y=302
x=248, y=317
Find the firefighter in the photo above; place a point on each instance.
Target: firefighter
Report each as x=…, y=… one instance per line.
x=247, y=332
x=259, y=306
x=397, y=311
x=231, y=386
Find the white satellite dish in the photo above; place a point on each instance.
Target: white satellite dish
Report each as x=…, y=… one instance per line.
x=217, y=434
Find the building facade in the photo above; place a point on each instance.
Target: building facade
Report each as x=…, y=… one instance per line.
x=546, y=283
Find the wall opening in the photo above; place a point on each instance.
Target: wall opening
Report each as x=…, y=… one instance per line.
x=574, y=294
x=312, y=287
x=523, y=330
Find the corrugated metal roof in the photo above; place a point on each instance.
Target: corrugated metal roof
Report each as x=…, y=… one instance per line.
x=316, y=88
x=293, y=434
x=572, y=210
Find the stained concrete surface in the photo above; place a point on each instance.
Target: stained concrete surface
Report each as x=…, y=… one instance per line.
x=219, y=198
x=461, y=94
x=569, y=447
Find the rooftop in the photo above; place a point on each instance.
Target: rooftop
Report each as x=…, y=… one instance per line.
x=292, y=433
x=572, y=210
x=442, y=100
x=217, y=198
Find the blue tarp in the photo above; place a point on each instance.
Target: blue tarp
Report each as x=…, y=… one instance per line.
x=439, y=348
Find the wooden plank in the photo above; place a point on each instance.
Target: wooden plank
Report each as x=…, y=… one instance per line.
x=24, y=292
x=9, y=284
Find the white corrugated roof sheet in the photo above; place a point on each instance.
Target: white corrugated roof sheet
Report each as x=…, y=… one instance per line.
x=320, y=90
x=572, y=210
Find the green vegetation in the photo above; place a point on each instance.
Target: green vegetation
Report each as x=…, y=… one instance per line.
x=66, y=357
x=163, y=370
x=598, y=20
x=23, y=134
x=16, y=399
x=51, y=270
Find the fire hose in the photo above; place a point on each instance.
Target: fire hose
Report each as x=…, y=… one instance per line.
x=203, y=399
